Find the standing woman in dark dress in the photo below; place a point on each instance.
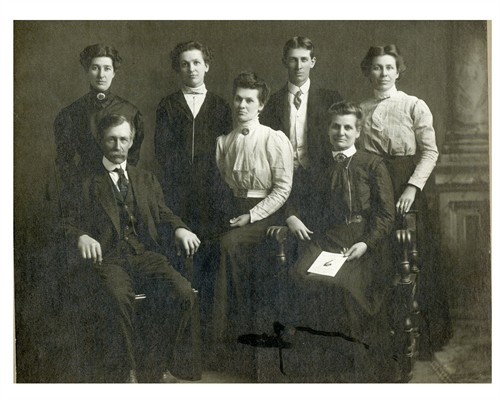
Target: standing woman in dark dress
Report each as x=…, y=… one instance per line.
x=399, y=127
x=75, y=126
x=188, y=122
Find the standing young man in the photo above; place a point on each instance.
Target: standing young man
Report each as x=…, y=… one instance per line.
x=300, y=110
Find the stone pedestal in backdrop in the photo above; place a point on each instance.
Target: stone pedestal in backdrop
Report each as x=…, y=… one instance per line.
x=462, y=178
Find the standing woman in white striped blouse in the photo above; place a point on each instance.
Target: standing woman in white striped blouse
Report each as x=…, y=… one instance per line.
x=399, y=127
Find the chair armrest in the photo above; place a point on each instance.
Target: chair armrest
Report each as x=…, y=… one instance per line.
x=407, y=239
x=406, y=305
x=280, y=234
x=188, y=268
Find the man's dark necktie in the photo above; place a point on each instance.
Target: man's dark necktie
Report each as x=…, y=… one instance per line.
x=122, y=182
x=297, y=101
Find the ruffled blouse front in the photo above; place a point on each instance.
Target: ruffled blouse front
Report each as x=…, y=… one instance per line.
x=261, y=159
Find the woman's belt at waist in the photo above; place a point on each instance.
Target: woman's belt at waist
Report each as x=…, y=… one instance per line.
x=347, y=220
x=398, y=159
x=251, y=193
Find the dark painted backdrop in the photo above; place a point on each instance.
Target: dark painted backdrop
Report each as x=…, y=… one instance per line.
x=48, y=76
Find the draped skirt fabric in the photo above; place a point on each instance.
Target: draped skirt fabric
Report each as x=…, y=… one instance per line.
x=244, y=275
x=353, y=304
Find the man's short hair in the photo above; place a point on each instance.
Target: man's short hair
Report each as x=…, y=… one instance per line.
x=346, y=108
x=110, y=121
x=175, y=54
x=99, y=50
x=249, y=80
x=298, y=42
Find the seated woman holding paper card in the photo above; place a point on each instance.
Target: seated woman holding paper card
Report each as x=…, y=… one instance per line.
x=354, y=212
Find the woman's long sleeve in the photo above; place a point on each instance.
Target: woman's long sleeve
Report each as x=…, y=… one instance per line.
x=427, y=151
x=280, y=158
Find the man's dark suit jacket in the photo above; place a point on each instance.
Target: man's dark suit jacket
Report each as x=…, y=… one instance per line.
x=94, y=211
x=276, y=115
x=191, y=178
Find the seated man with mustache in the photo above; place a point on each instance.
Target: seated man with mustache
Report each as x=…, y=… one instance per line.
x=113, y=219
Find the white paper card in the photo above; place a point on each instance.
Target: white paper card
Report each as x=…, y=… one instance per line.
x=327, y=264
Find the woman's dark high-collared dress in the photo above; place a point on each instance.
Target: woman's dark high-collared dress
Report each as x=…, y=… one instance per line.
x=352, y=201
x=75, y=132
x=185, y=149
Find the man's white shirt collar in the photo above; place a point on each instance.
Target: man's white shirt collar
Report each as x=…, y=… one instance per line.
x=110, y=167
x=304, y=88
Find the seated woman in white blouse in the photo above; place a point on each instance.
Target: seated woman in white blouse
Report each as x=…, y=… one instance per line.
x=256, y=163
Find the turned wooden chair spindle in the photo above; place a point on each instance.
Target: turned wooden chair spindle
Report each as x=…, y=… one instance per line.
x=405, y=304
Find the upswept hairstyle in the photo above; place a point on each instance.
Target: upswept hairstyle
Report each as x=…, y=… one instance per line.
x=346, y=108
x=388, y=50
x=175, y=54
x=99, y=50
x=298, y=42
x=249, y=80
x=112, y=120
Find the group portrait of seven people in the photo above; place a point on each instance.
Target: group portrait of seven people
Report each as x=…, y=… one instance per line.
x=338, y=174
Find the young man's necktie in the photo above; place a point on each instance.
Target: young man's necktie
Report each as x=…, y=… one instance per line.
x=297, y=101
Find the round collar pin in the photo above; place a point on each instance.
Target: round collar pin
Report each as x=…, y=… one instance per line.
x=101, y=96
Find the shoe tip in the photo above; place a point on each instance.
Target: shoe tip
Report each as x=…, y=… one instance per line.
x=167, y=377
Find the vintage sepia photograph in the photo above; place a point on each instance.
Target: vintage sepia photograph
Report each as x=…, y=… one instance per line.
x=252, y=201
